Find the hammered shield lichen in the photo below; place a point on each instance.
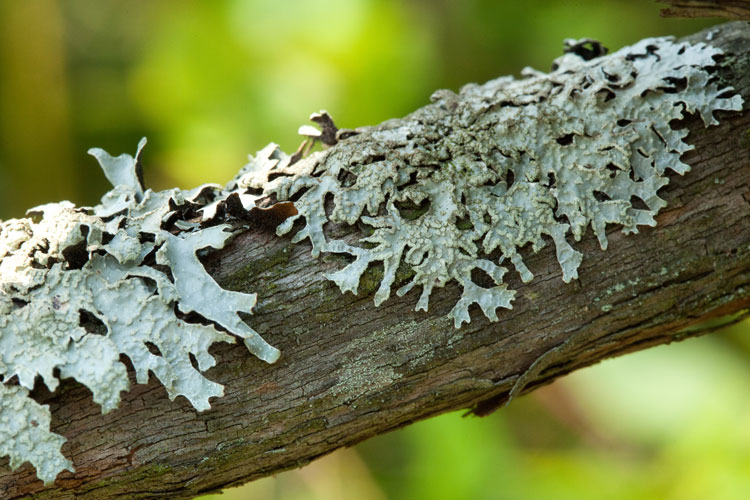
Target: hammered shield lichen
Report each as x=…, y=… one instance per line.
x=82, y=286
x=460, y=186
x=501, y=166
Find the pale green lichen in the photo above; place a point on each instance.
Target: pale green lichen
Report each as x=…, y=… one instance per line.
x=25, y=435
x=79, y=287
x=464, y=184
x=457, y=187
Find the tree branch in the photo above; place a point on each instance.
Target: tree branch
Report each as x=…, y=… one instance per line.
x=350, y=370
x=728, y=9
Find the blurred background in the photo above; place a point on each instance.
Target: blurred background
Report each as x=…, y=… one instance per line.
x=210, y=81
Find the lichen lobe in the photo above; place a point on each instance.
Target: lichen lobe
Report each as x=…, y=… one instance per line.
x=501, y=166
x=81, y=286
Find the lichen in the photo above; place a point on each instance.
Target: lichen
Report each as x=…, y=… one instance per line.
x=81, y=286
x=25, y=435
x=449, y=193
x=463, y=185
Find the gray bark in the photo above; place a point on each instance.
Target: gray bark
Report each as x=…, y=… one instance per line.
x=350, y=370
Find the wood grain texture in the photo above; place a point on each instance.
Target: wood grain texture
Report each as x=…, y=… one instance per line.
x=350, y=370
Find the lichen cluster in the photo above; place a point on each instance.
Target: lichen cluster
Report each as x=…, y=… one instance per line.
x=81, y=286
x=456, y=188
x=466, y=183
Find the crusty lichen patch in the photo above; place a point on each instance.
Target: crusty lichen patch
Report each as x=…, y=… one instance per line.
x=81, y=286
x=462, y=185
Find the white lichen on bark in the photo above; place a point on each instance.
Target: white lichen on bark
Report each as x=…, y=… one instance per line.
x=82, y=286
x=458, y=186
x=465, y=183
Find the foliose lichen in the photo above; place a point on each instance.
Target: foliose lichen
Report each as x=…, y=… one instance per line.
x=464, y=184
x=81, y=286
x=457, y=187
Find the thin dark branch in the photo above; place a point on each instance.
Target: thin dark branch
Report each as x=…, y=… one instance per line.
x=727, y=9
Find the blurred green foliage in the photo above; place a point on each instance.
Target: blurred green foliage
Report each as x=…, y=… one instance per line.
x=210, y=81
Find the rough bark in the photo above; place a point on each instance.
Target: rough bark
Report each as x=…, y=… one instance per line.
x=350, y=370
x=729, y=9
